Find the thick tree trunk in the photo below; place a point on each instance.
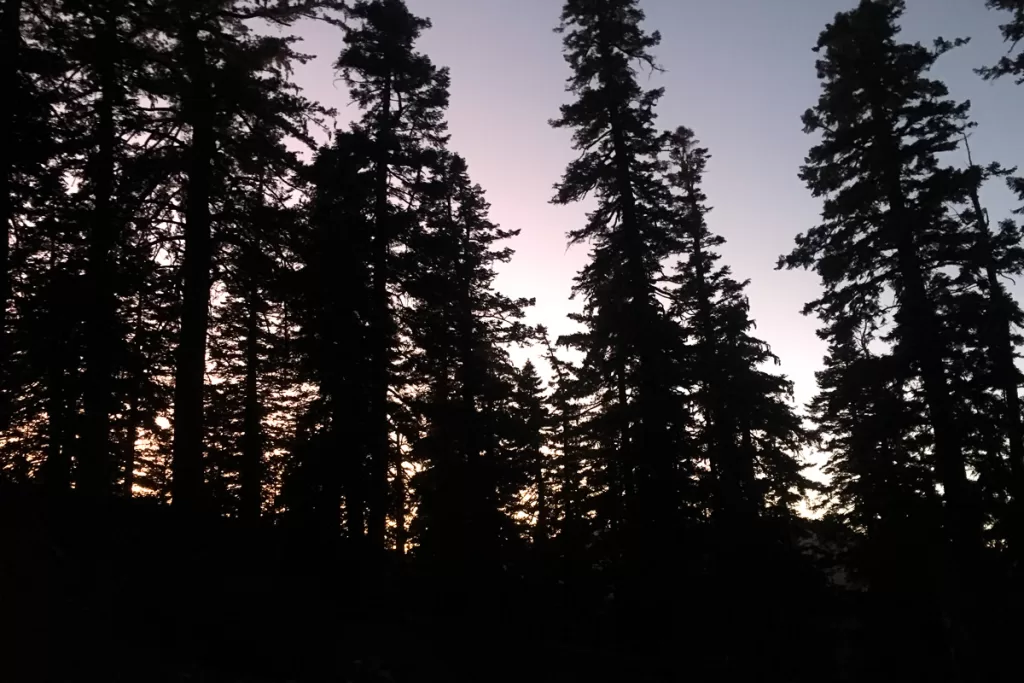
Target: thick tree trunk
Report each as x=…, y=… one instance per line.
x=380, y=354
x=650, y=463
x=190, y=361
x=10, y=44
x=252, y=418
x=471, y=497
x=94, y=475
x=918, y=318
x=343, y=464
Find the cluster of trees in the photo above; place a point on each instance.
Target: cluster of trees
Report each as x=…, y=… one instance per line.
x=193, y=312
x=196, y=314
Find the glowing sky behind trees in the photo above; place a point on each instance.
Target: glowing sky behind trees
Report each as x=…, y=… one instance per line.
x=739, y=72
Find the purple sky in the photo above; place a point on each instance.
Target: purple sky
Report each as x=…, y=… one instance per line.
x=739, y=72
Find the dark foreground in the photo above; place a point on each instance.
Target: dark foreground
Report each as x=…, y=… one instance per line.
x=131, y=593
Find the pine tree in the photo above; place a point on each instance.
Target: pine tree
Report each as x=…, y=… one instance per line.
x=1013, y=33
x=403, y=97
x=331, y=298
x=886, y=224
x=461, y=328
x=530, y=422
x=991, y=316
x=31, y=185
x=873, y=427
x=223, y=75
x=570, y=504
x=749, y=431
x=629, y=343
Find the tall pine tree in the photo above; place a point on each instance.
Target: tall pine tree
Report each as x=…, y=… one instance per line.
x=629, y=343
x=886, y=227
x=403, y=97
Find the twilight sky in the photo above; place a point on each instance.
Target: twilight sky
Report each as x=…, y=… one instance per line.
x=738, y=72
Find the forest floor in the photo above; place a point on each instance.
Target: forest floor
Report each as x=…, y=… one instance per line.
x=129, y=593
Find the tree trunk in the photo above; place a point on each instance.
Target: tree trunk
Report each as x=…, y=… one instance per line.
x=56, y=469
x=401, y=532
x=128, y=455
x=94, y=475
x=650, y=466
x=134, y=414
x=999, y=337
x=380, y=353
x=472, y=493
x=252, y=420
x=919, y=319
x=10, y=45
x=541, y=532
x=190, y=361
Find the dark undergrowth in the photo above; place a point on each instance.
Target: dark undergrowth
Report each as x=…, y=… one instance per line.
x=130, y=592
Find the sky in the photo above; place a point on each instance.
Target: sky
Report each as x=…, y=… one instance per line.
x=738, y=72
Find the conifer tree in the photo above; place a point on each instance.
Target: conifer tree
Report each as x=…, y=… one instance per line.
x=461, y=328
x=748, y=429
x=530, y=423
x=1012, y=64
x=403, y=97
x=990, y=316
x=886, y=226
x=330, y=299
x=31, y=186
x=629, y=343
x=223, y=75
x=570, y=504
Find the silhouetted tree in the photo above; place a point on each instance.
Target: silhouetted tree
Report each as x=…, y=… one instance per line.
x=1013, y=33
x=460, y=329
x=330, y=296
x=886, y=224
x=882, y=253
x=31, y=193
x=403, y=97
x=629, y=343
x=570, y=460
x=224, y=76
x=990, y=316
x=749, y=431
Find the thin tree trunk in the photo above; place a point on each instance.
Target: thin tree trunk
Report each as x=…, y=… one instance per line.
x=56, y=469
x=190, y=361
x=94, y=473
x=401, y=532
x=128, y=456
x=379, y=431
x=541, y=532
x=252, y=419
x=10, y=46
